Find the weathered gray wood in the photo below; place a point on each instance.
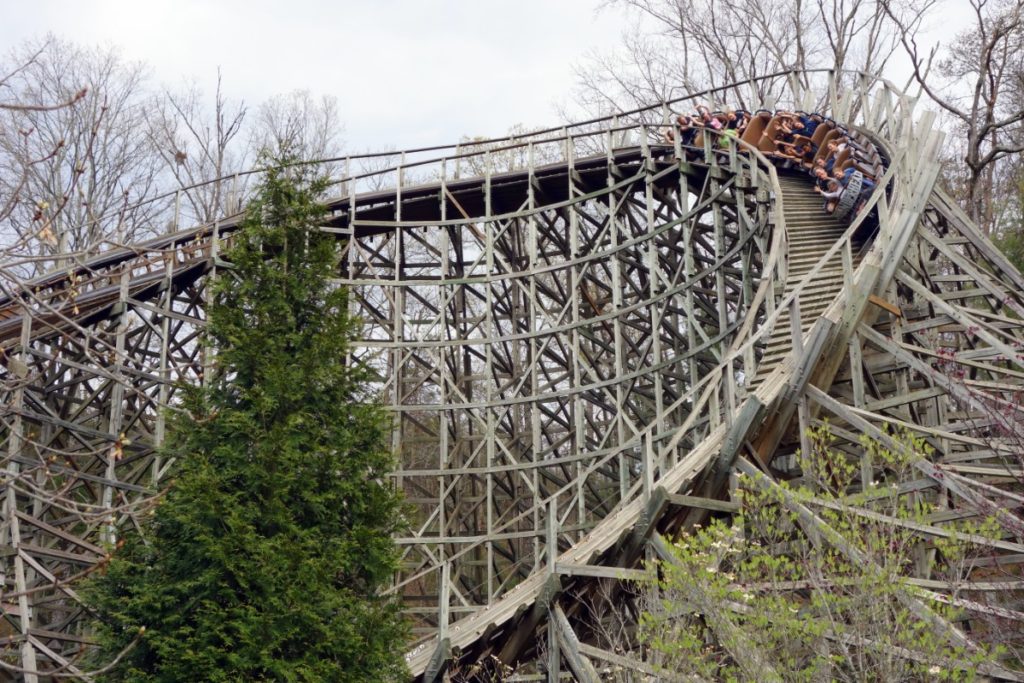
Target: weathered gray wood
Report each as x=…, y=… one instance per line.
x=438, y=663
x=569, y=645
x=579, y=334
x=15, y=442
x=630, y=664
x=704, y=503
x=601, y=572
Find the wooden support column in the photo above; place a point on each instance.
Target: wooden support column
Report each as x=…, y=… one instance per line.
x=747, y=419
x=803, y=414
x=489, y=383
x=527, y=628
x=656, y=312
x=444, y=597
x=207, y=352
x=576, y=303
x=163, y=373
x=857, y=380
x=689, y=272
x=114, y=450
x=445, y=381
x=569, y=645
x=721, y=247
x=439, y=662
x=535, y=309
x=771, y=433
x=397, y=329
x=554, y=660
x=15, y=444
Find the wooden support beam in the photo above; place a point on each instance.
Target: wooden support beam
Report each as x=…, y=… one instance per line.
x=439, y=662
x=885, y=305
x=645, y=526
x=960, y=315
x=924, y=529
x=631, y=664
x=526, y=629
x=602, y=572
x=770, y=434
x=949, y=480
x=569, y=645
x=703, y=503
x=748, y=419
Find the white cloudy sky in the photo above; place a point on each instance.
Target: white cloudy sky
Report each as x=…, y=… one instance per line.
x=405, y=72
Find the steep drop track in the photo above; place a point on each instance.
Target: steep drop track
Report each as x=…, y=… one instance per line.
x=811, y=232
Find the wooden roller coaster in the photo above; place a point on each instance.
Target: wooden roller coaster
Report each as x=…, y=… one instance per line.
x=581, y=333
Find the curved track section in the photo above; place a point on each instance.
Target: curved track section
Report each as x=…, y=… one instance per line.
x=580, y=335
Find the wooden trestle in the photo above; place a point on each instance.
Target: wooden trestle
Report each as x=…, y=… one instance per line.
x=581, y=334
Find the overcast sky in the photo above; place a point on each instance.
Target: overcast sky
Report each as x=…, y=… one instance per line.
x=405, y=72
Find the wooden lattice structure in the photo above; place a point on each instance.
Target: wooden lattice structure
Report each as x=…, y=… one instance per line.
x=580, y=333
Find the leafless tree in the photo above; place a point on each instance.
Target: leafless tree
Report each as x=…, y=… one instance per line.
x=198, y=147
x=519, y=151
x=74, y=175
x=677, y=47
x=13, y=107
x=978, y=83
x=306, y=126
x=860, y=36
x=374, y=169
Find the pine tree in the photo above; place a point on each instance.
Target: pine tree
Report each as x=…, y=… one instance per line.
x=265, y=558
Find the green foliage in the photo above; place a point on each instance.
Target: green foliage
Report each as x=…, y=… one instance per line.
x=1011, y=243
x=1011, y=240
x=809, y=583
x=265, y=557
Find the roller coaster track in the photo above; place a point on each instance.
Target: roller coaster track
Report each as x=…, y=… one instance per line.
x=581, y=334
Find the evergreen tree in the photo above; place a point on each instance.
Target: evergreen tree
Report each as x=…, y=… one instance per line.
x=265, y=558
